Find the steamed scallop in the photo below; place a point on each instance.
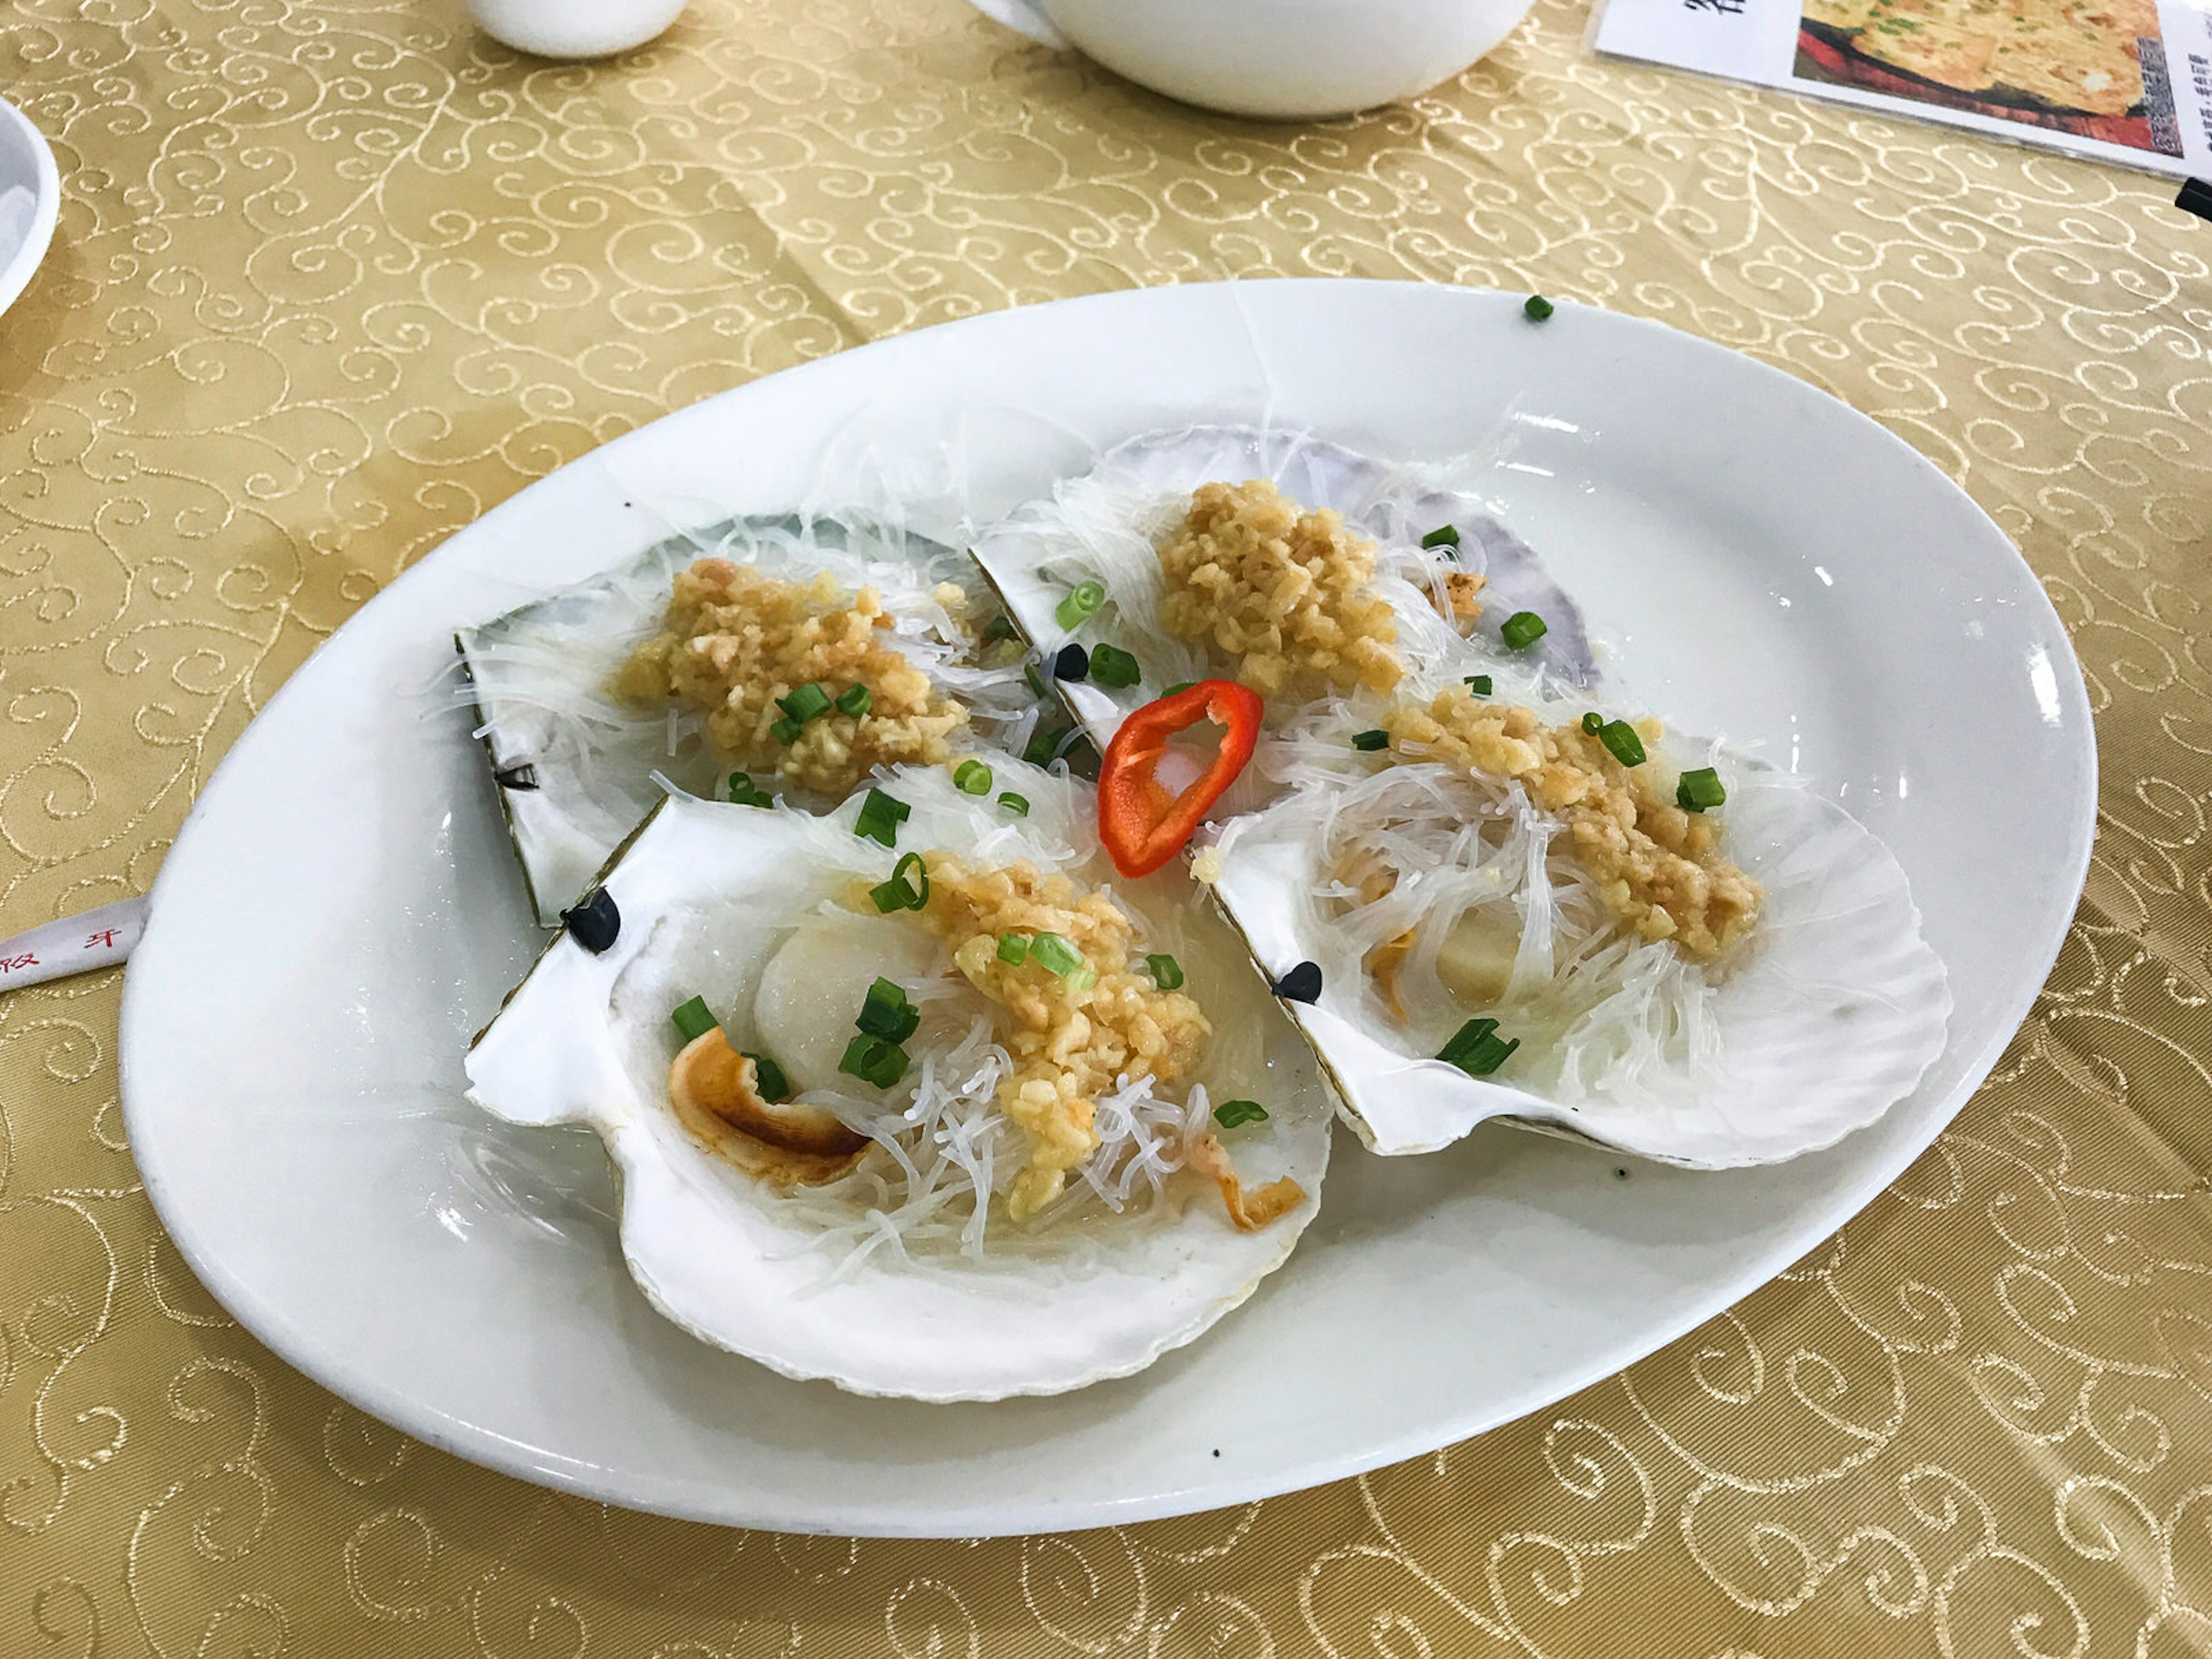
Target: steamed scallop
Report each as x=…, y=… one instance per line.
x=1297, y=566
x=681, y=663
x=914, y=1095
x=1564, y=917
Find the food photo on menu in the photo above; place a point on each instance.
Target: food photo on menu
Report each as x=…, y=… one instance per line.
x=1089, y=826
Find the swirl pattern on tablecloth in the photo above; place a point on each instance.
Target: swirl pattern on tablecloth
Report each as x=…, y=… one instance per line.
x=332, y=279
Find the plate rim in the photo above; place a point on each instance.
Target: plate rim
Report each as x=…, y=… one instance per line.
x=46, y=212
x=724, y=1506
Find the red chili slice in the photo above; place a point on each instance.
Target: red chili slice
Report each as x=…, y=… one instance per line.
x=1140, y=825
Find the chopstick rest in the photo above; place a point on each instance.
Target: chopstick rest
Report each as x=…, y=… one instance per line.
x=74, y=944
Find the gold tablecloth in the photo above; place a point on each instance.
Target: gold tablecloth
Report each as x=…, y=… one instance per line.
x=332, y=279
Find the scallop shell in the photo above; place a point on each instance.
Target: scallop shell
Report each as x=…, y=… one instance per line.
x=575, y=765
x=704, y=892
x=1837, y=1009
x=1107, y=524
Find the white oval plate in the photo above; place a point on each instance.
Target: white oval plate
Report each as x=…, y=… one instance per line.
x=341, y=911
x=30, y=199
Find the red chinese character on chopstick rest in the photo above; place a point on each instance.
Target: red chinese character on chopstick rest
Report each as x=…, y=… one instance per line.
x=9, y=964
x=106, y=936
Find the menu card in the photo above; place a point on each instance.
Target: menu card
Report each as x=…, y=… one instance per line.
x=2122, y=81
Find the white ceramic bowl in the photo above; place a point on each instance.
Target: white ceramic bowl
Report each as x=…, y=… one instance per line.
x=30, y=197
x=573, y=28
x=1278, y=59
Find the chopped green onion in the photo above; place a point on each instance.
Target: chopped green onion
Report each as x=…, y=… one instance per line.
x=855, y=700
x=1013, y=948
x=1167, y=972
x=1082, y=600
x=880, y=818
x=1000, y=627
x=1231, y=1114
x=1045, y=744
x=743, y=792
x=1082, y=978
x=784, y=733
x=1699, y=791
x=1477, y=1049
x=919, y=877
x=1111, y=666
x=1370, y=741
x=1593, y=723
x=1444, y=535
x=694, y=1019
x=1473, y=1029
x=1032, y=678
x=1537, y=307
x=1178, y=688
x=768, y=1080
x=1620, y=737
x=871, y=1060
x=1018, y=804
x=1055, y=954
x=809, y=703
x=887, y=1014
x=1521, y=629
x=1478, y=683
x=902, y=892
x=972, y=777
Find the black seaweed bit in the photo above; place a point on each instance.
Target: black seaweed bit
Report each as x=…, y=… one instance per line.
x=1071, y=665
x=1301, y=984
x=594, y=922
x=524, y=776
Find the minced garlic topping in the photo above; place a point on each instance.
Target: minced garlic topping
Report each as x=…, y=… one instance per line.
x=1659, y=868
x=1282, y=591
x=734, y=640
x=1457, y=601
x=1069, y=1044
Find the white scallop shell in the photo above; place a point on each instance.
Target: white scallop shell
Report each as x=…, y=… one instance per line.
x=704, y=891
x=539, y=675
x=1106, y=525
x=1837, y=1009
